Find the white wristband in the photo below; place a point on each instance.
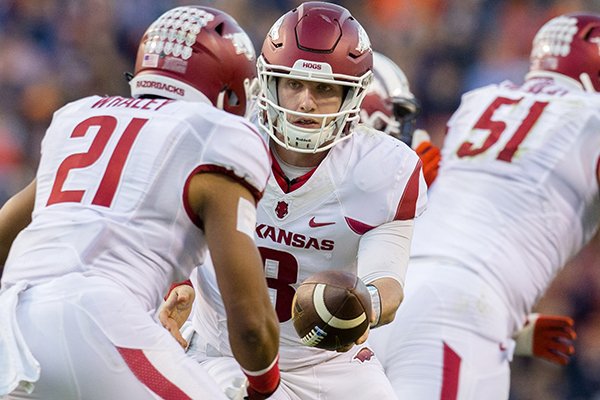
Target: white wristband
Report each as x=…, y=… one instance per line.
x=376, y=302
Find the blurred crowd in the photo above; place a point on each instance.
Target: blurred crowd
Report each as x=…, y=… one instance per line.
x=55, y=51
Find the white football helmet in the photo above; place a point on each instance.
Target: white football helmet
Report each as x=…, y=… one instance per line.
x=389, y=105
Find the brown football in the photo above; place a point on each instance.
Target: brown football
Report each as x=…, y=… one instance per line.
x=331, y=309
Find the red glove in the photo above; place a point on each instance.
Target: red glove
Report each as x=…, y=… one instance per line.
x=428, y=153
x=175, y=284
x=547, y=336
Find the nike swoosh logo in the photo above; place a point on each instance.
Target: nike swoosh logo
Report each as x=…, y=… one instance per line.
x=314, y=224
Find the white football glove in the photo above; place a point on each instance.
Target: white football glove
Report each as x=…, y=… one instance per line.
x=238, y=389
x=419, y=136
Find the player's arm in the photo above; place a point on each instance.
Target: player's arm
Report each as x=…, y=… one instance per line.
x=228, y=212
x=382, y=262
x=384, y=251
x=15, y=215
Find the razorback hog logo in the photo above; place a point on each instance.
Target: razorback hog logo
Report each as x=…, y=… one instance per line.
x=281, y=209
x=311, y=65
x=365, y=354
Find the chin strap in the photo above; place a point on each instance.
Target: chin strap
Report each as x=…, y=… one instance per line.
x=586, y=81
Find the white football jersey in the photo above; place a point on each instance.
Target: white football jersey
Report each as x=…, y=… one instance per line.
x=314, y=223
x=517, y=193
x=111, y=194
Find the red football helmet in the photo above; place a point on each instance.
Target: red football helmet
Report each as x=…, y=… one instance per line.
x=569, y=45
x=318, y=42
x=389, y=105
x=196, y=54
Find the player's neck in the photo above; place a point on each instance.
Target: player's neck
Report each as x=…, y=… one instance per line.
x=298, y=159
x=290, y=171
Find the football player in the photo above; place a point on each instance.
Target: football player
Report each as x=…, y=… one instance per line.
x=129, y=195
x=515, y=199
x=391, y=107
x=341, y=196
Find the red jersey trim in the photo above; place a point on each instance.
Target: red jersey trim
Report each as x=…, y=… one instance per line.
x=289, y=185
x=209, y=168
x=451, y=374
x=358, y=227
x=598, y=171
x=176, y=284
x=147, y=373
x=407, y=207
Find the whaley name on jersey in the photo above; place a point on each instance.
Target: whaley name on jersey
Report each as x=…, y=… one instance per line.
x=129, y=102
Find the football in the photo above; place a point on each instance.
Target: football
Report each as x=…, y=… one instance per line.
x=331, y=309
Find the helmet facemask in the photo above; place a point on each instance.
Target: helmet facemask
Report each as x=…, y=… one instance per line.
x=381, y=121
x=334, y=128
x=406, y=111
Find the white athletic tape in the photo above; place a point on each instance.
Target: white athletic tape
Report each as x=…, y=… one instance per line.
x=246, y=217
x=376, y=303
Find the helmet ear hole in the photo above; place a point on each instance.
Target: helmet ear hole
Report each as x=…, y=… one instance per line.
x=593, y=35
x=219, y=29
x=232, y=98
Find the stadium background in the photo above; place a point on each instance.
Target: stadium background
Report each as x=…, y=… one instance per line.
x=54, y=51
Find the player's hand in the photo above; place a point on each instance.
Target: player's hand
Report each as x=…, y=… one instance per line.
x=429, y=154
x=549, y=337
x=175, y=311
x=237, y=390
x=361, y=339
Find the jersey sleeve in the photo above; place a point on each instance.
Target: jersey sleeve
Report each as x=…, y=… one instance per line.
x=238, y=150
x=380, y=181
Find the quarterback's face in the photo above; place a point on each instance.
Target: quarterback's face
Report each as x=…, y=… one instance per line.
x=309, y=97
